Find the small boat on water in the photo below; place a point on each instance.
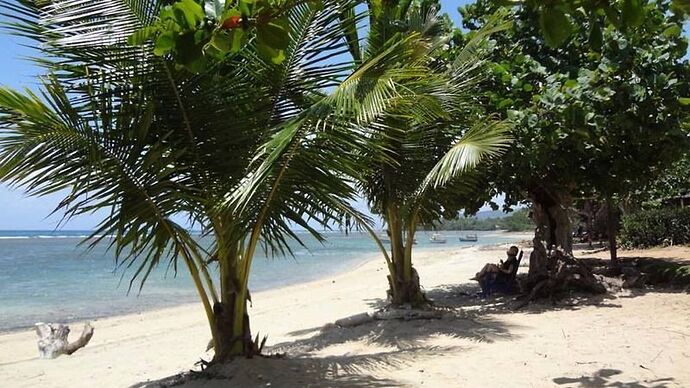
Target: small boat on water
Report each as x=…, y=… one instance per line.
x=437, y=238
x=468, y=237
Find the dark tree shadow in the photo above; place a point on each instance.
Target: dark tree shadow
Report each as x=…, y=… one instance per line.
x=406, y=336
x=376, y=303
x=400, y=344
x=345, y=371
x=658, y=274
x=464, y=296
x=606, y=378
x=639, y=260
x=301, y=332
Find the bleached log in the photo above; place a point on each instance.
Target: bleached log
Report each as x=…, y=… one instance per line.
x=53, y=342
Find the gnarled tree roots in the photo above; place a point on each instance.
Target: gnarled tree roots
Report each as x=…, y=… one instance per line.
x=563, y=273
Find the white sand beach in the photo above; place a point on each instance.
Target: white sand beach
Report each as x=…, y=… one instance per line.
x=631, y=339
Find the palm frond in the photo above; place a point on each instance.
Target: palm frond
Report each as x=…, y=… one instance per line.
x=484, y=140
x=47, y=147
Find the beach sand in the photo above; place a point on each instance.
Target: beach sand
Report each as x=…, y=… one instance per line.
x=630, y=339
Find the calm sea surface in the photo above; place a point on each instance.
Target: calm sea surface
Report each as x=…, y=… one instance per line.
x=46, y=276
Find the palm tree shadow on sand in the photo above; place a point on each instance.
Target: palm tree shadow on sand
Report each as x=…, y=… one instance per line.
x=413, y=335
x=325, y=358
x=283, y=372
x=606, y=378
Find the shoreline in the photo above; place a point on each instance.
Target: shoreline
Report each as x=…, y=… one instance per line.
x=361, y=261
x=358, y=261
x=132, y=349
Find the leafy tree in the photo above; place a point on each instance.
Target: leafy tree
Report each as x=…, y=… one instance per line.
x=518, y=221
x=242, y=144
x=588, y=120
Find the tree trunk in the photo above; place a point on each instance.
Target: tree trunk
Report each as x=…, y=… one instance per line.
x=538, y=259
x=590, y=222
x=612, y=230
x=552, y=231
x=231, y=342
x=553, y=270
x=233, y=332
x=404, y=282
x=406, y=292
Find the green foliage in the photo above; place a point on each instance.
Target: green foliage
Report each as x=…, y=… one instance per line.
x=558, y=18
x=517, y=221
x=673, y=182
x=431, y=132
x=682, y=5
x=555, y=25
x=587, y=119
x=194, y=32
x=654, y=227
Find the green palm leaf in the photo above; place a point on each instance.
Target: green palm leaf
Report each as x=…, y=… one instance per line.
x=484, y=140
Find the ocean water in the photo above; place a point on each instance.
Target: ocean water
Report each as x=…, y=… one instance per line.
x=46, y=276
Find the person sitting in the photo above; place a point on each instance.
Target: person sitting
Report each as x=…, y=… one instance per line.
x=500, y=272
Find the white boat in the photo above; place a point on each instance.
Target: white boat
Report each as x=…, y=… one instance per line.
x=468, y=237
x=437, y=238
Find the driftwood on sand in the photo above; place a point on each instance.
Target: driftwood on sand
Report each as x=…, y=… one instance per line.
x=53, y=342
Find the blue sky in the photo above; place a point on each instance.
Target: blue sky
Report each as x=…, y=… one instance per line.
x=19, y=212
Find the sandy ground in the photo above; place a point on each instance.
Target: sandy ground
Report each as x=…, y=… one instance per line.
x=631, y=339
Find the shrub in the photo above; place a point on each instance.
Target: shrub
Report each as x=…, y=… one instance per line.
x=655, y=227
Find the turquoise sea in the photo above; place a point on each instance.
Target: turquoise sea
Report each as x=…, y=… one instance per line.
x=46, y=276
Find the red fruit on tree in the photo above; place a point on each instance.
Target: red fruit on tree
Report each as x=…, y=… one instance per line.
x=232, y=22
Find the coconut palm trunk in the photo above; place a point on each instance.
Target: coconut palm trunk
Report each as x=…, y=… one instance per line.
x=403, y=279
x=230, y=315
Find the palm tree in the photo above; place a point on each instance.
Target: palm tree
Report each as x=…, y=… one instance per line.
x=124, y=130
x=427, y=135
